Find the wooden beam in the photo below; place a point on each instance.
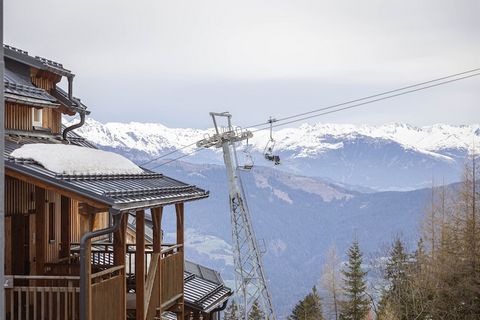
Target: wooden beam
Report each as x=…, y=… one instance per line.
x=66, y=220
x=37, y=182
x=119, y=253
x=40, y=230
x=157, y=214
x=140, y=265
x=179, y=209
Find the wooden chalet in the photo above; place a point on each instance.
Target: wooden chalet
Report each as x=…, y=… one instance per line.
x=89, y=246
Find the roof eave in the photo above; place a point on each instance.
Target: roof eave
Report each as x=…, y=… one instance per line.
x=141, y=205
x=24, y=57
x=13, y=98
x=58, y=183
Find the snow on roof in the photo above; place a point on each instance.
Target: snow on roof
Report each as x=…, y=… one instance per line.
x=75, y=160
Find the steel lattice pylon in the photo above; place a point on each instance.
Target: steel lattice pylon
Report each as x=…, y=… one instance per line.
x=250, y=277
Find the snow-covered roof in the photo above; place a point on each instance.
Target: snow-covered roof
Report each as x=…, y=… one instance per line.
x=75, y=160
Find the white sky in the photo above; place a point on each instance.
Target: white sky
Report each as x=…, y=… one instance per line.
x=174, y=61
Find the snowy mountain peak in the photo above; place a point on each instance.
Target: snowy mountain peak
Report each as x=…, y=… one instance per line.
x=306, y=140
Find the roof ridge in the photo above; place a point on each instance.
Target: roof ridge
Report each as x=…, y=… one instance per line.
x=70, y=177
x=15, y=49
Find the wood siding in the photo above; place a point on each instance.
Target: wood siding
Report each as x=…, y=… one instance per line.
x=19, y=202
x=45, y=84
x=53, y=245
x=18, y=117
x=19, y=197
x=52, y=120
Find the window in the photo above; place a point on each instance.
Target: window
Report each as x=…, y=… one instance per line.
x=37, y=117
x=51, y=221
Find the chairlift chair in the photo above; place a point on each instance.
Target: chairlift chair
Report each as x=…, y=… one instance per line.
x=268, y=151
x=248, y=164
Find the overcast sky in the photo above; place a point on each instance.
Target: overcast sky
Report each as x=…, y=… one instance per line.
x=174, y=61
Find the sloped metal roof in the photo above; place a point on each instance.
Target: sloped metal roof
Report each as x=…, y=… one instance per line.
x=203, y=294
x=18, y=90
x=63, y=98
x=169, y=315
x=37, y=62
x=124, y=192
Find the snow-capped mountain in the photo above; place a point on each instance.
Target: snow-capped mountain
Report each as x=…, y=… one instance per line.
x=298, y=216
x=387, y=157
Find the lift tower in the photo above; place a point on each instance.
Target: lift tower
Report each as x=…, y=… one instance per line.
x=250, y=282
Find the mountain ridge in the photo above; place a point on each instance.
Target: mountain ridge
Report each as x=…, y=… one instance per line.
x=155, y=138
x=388, y=157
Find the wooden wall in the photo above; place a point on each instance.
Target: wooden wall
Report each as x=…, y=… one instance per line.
x=52, y=119
x=19, y=197
x=20, y=201
x=53, y=243
x=41, y=82
x=18, y=117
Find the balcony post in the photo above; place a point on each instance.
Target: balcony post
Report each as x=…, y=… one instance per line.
x=140, y=265
x=157, y=214
x=179, y=209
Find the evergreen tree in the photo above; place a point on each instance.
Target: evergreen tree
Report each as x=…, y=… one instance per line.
x=356, y=304
x=310, y=308
x=256, y=313
x=232, y=312
x=397, y=297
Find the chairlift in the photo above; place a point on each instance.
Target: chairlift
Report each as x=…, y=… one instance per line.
x=268, y=151
x=248, y=164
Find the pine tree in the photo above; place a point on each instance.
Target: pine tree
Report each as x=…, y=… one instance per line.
x=309, y=308
x=232, y=312
x=256, y=313
x=397, y=298
x=356, y=304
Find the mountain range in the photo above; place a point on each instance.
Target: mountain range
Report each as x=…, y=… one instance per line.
x=330, y=188
x=388, y=157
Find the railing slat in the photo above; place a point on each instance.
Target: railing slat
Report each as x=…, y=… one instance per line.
x=42, y=313
x=35, y=298
x=50, y=303
x=12, y=303
x=58, y=303
x=19, y=296
x=27, y=301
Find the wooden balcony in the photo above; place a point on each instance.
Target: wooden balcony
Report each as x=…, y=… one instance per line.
x=56, y=295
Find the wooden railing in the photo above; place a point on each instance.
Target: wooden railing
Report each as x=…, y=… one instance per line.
x=108, y=298
x=171, y=275
x=152, y=290
x=102, y=255
x=42, y=297
x=167, y=284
